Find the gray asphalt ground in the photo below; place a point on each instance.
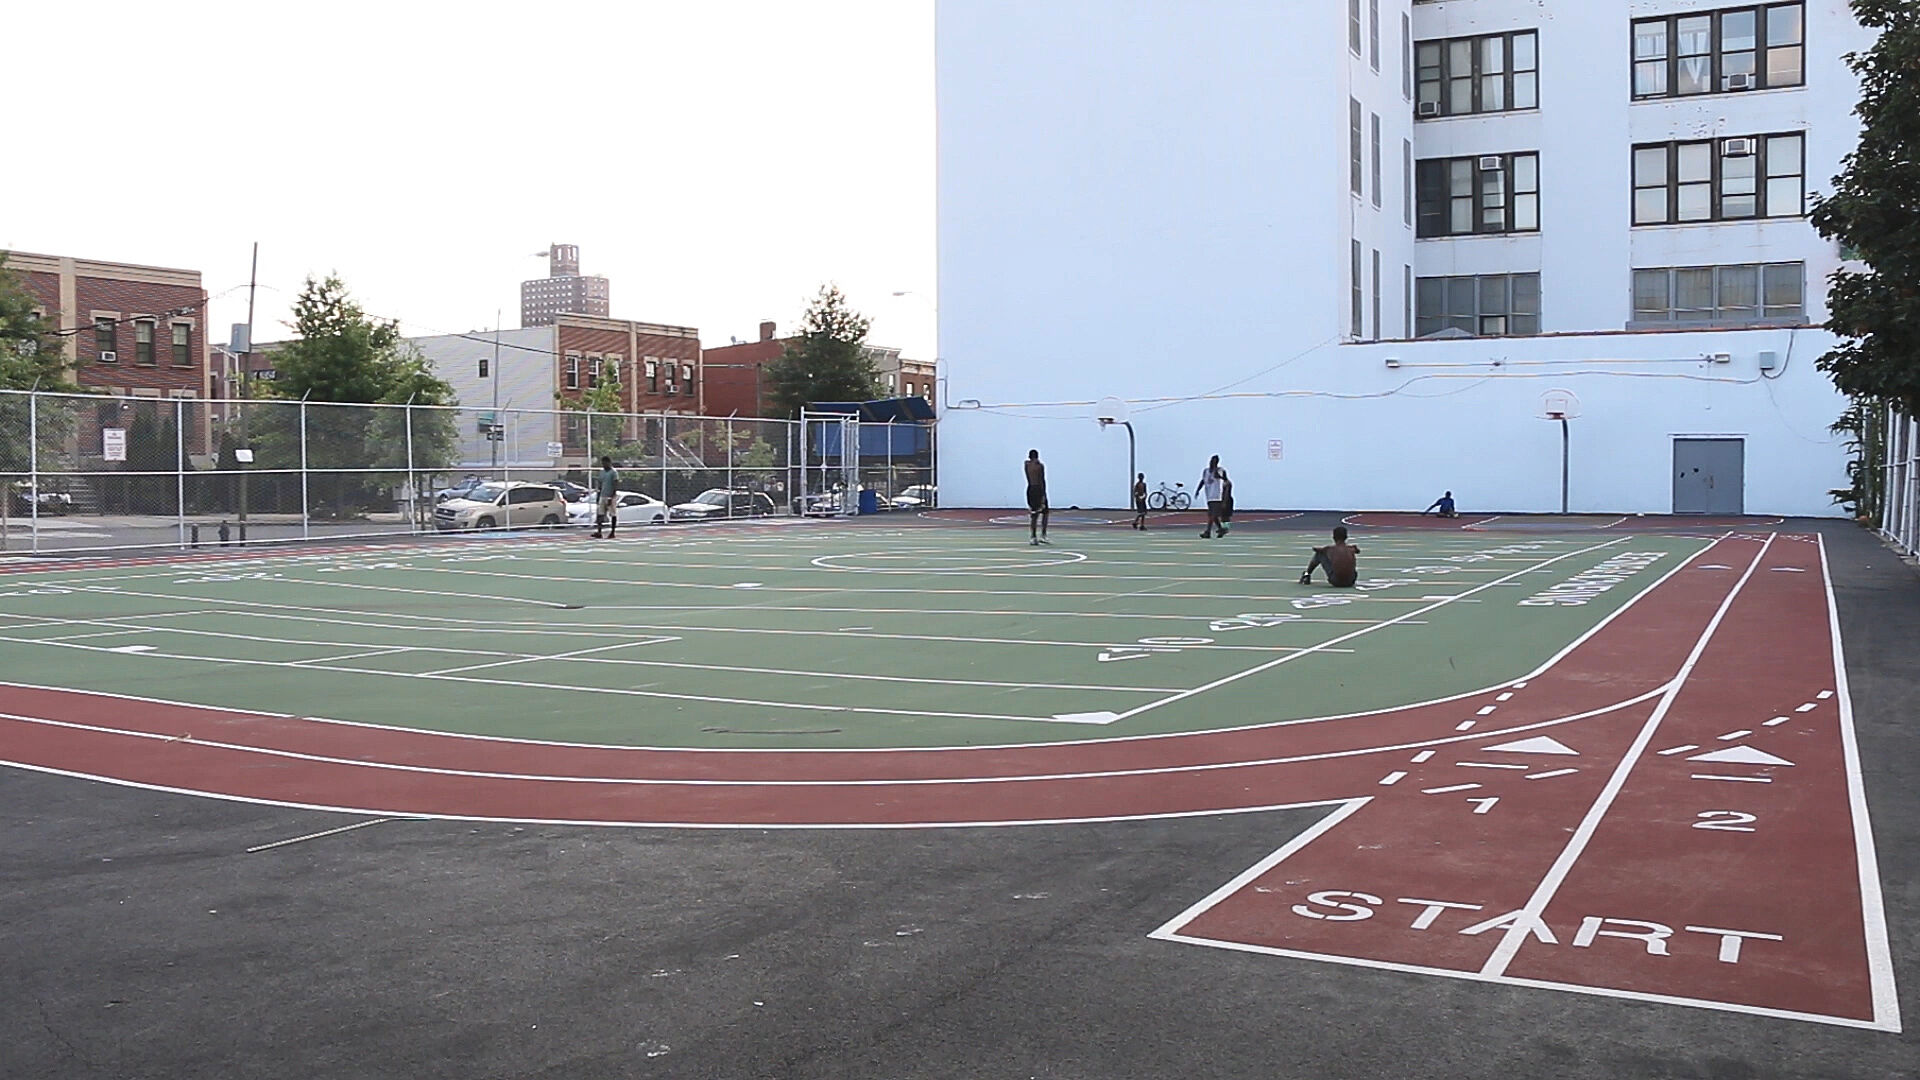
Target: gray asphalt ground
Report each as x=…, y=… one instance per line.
x=139, y=938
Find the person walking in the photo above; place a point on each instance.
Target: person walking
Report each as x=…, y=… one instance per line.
x=1213, y=487
x=1140, y=502
x=607, y=487
x=1037, y=509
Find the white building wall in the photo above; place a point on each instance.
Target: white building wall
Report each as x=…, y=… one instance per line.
x=525, y=381
x=1151, y=201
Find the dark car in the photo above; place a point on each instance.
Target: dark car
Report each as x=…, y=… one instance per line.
x=52, y=503
x=715, y=503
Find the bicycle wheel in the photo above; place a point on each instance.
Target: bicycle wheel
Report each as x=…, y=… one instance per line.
x=1157, y=501
x=1181, y=501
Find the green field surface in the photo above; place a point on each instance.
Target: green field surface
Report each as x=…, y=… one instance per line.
x=819, y=636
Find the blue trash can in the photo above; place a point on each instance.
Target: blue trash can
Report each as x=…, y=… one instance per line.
x=869, y=501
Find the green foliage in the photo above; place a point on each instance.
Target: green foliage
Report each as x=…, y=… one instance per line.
x=1875, y=211
x=1865, y=425
x=826, y=360
x=29, y=348
x=606, y=432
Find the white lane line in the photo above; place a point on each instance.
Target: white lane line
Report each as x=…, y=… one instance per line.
x=1738, y=779
x=1488, y=765
x=1545, y=775
x=1518, y=933
x=1464, y=725
x=352, y=656
x=1504, y=697
x=1775, y=722
x=1523, y=685
x=1487, y=711
x=1392, y=778
x=1681, y=749
x=1741, y=734
x=1808, y=707
x=1448, y=788
x=1269, y=665
x=1873, y=913
x=317, y=835
x=1422, y=756
x=639, y=641
x=1824, y=695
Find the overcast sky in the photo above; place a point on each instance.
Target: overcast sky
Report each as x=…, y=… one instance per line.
x=717, y=161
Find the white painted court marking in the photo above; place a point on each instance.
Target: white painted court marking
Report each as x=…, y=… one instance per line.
x=1517, y=934
x=317, y=835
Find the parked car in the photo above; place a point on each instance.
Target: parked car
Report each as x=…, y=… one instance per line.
x=502, y=505
x=573, y=492
x=917, y=497
x=824, y=504
x=716, y=503
x=629, y=508
x=459, y=489
x=52, y=503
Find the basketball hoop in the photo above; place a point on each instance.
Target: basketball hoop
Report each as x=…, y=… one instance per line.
x=1110, y=410
x=1559, y=405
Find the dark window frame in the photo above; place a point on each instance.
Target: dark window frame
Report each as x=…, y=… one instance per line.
x=106, y=336
x=1356, y=164
x=180, y=348
x=1358, y=322
x=573, y=371
x=144, y=332
x=1443, y=74
x=1642, y=318
x=1436, y=206
x=1353, y=27
x=1717, y=75
x=1512, y=321
x=1373, y=33
x=1374, y=126
x=1764, y=164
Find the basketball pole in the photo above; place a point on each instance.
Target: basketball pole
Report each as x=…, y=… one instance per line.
x=1128, y=424
x=1564, y=446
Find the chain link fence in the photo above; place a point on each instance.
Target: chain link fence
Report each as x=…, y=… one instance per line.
x=1900, y=489
x=81, y=471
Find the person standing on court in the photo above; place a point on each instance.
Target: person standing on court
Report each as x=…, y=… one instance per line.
x=1140, y=502
x=1037, y=509
x=1338, y=557
x=607, y=486
x=1212, y=487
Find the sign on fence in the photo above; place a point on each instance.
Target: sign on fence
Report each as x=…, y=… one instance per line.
x=113, y=443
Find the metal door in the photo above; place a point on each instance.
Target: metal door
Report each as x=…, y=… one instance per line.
x=1709, y=476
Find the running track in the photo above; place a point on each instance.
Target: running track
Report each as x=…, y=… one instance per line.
x=1643, y=817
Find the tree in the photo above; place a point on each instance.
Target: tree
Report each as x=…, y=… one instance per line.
x=603, y=429
x=1875, y=212
x=344, y=356
x=29, y=358
x=826, y=360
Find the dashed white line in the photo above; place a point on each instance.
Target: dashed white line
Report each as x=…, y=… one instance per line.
x=1504, y=697
x=1392, y=778
x=1741, y=734
x=1545, y=775
x=1737, y=779
x=1775, y=722
x=1486, y=765
x=1486, y=710
x=1808, y=707
x=1444, y=790
x=1464, y=725
x=1422, y=756
x=1824, y=695
x=1679, y=749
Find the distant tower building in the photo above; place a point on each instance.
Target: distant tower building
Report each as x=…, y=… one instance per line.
x=563, y=291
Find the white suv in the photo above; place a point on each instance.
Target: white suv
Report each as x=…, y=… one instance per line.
x=502, y=505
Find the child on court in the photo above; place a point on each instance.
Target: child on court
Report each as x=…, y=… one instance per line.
x=1338, y=557
x=1140, y=502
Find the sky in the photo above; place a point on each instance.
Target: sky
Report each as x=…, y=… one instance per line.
x=716, y=161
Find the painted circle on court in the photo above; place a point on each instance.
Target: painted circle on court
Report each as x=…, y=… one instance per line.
x=946, y=560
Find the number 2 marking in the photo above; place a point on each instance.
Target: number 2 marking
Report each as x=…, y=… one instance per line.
x=1730, y=820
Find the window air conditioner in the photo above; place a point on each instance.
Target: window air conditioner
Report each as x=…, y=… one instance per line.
x=1427, y=108
x=1742, y=81
x=1490, y=163
x=109, y=357
x=1737, y=148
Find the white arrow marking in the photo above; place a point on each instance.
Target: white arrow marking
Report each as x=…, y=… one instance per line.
x=1741, y=755
x=1539, y=744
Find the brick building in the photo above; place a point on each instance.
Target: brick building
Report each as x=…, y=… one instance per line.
x=563, y=291
x=736, y=382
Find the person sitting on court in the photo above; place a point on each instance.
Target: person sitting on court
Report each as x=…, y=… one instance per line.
x=1444, y=504
x=1338, y=557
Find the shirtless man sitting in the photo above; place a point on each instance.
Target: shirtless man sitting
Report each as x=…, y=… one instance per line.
x=1338, y=558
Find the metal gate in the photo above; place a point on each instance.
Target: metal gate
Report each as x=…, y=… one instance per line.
x=830, y=464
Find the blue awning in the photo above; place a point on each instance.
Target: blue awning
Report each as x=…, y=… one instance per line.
x=905, y=410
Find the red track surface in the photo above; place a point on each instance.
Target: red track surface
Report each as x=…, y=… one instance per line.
x=1609, y=853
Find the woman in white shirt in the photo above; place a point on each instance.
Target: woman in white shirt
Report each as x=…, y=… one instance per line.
x=1212, y=487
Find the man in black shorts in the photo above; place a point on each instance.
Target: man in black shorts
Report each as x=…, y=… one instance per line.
x=1140, y=502
x=1037, y=509
x=1338, y=558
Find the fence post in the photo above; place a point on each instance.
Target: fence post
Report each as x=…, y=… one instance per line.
x=305, y=530
x=413, y=480
x=33, y=470
x=180, y=466
x=729, y=453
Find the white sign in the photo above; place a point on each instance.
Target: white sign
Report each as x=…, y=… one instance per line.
x=113, y=443
x=554, y=449
x=243, y=456
x=1274, y=449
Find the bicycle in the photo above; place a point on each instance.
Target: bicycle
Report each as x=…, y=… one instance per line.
x=1169, y=497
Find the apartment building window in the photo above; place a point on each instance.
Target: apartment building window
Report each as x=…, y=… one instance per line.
x=1406, y=181
x=182, y=345
x=1373, y=33
x=483, y=367
x=1461, y=76
x=1719, y=179
x=1359, y=299
x=1742, y=293
x=1375, y=122
x=105, y=331
x=653, y=375
x=1376, y=294
x=1354, y=165
x=613, y=370
x=1492, y=193
x=686, y=378
x=1406, y=57
x=1353, y=26
x=1744, y=48
x=143, y=342
x=1485, y=305
x=573, y=371
x=1406, y=300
